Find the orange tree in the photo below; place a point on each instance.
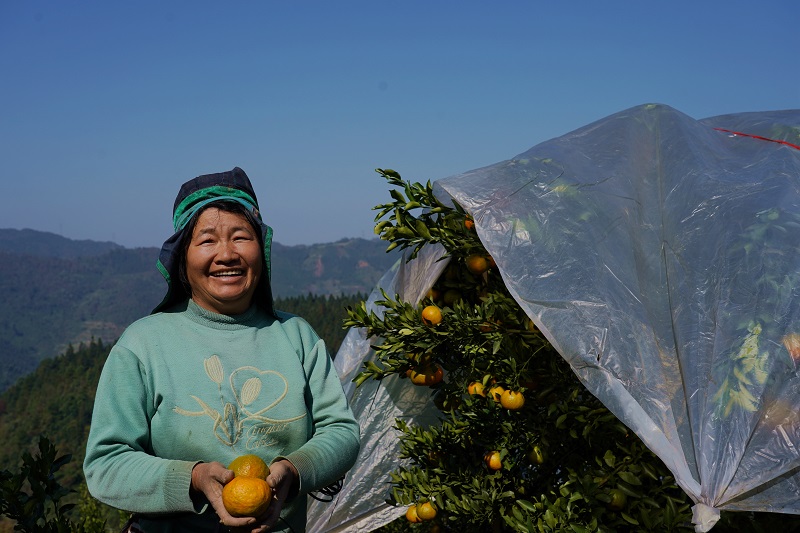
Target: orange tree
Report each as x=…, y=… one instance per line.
x=520, y=445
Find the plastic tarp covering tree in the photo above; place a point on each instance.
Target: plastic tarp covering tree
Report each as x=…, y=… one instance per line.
x=659, y=255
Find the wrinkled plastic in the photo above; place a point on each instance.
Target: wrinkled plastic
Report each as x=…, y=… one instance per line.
x=361, y=504
x=659, y=256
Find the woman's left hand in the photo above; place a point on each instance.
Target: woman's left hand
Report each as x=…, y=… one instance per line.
x=282, y=477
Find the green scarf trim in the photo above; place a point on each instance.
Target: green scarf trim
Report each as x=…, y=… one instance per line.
x=198, y=199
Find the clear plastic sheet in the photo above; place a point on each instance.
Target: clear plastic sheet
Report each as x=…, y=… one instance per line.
x=361, y=504
x=659, y=255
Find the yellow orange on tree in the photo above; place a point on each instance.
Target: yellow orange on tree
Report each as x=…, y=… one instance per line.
x=432, y=315
x=426, y=511
x=512, y=400
x=411, y=514
x=492, y=460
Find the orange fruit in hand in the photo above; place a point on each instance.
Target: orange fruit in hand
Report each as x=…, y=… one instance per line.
x=432, y=315
x=246, y=496
x=412, y=516
x=426, y=511
x=492, y=460
x=512, y=400
x=249, y=466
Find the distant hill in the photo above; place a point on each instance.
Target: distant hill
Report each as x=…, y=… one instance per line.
x=43, y=244
x=55, y=291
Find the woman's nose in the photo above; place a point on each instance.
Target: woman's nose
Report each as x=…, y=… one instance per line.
x=227, y=251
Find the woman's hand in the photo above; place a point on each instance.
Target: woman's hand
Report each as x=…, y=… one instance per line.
x=283, y=477
x=208, y=479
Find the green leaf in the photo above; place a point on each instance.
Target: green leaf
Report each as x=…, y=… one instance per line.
x=630, y=478
x=526, y=505
x=629, y=519
x=609, y=458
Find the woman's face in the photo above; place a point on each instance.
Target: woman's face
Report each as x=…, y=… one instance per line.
x=223, y=262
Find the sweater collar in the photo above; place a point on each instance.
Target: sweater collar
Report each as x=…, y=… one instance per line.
x=219, y=321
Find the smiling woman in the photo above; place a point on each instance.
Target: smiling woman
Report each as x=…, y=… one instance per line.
x=223, y=259
x=213, y=373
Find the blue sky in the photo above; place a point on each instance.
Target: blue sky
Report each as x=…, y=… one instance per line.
x=107, y=107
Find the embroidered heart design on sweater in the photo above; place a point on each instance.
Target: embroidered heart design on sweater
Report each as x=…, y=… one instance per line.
x=258, y=391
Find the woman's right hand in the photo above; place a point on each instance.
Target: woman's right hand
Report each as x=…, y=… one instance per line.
x=208, y=479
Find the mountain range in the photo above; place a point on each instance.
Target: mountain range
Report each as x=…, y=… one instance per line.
x=55, y=292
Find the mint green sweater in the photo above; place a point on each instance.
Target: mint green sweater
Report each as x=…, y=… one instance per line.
x=189, y=385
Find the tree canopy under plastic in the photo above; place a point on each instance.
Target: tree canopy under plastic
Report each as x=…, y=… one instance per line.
x=659, y=255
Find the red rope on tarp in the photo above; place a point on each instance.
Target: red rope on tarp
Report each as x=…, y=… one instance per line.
x=795, y=146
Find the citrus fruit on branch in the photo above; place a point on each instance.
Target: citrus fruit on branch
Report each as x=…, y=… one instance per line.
x=492, y=460
x=427, y=375
x=477, y=264
x=512, y=400
x=426, y=511
x=432, y=315
x=411, y=514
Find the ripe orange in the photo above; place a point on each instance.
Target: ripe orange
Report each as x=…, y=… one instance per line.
x=246, y=496
x=249, y=466
x=496, y=392
x=469, y=224
x=432, y=315
x=512, y=400
x=477, y=264
x=476, y=388
x=426, y=511
x=426, y=375
x=434, y=294
x=411, y=515
x=492, y=460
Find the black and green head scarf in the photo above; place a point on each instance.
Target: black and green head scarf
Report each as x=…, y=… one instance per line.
x=194, y=195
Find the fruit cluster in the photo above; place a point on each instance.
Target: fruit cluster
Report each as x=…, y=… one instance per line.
x=248, y=493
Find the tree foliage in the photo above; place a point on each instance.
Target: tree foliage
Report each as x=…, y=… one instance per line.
x=35, y=499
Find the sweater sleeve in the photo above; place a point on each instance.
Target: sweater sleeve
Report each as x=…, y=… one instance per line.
x=119, y=470
x=335, y=441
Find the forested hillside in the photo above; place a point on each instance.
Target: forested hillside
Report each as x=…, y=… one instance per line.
x=56, y=292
